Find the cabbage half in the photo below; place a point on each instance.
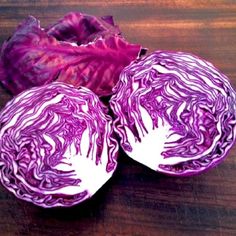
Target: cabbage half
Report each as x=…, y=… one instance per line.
x=175, y=113
x=56, y=145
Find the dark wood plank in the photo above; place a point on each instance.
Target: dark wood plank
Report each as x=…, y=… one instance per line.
x=138, y=201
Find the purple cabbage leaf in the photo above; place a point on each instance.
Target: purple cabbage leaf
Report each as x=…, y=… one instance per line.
x=34, y=57
x=79, y=28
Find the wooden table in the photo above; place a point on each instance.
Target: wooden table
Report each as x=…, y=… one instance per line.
x=138, y=201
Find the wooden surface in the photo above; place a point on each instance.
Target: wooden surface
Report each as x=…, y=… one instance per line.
x=138, y=201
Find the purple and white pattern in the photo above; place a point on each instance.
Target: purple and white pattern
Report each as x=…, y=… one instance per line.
x=175, y=113
x=56, y=145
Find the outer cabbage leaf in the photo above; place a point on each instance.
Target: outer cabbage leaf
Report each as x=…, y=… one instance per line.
x=31, y=57
x=56, y=145
x=81, y=28
x=175, y=113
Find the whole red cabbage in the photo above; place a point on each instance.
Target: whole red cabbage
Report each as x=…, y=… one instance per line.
x=56, y=145
x=80, y=50
x=175, y=113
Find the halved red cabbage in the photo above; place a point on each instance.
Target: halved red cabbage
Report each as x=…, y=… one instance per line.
x=56, y=145
x=175, y=113
x=33, y=56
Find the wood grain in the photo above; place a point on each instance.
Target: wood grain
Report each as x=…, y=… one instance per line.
x=138, y=201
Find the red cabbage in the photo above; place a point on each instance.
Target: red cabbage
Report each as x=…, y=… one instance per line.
x=56, y=145
x=34, y=56
x=175, y=113
x=81, y=28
